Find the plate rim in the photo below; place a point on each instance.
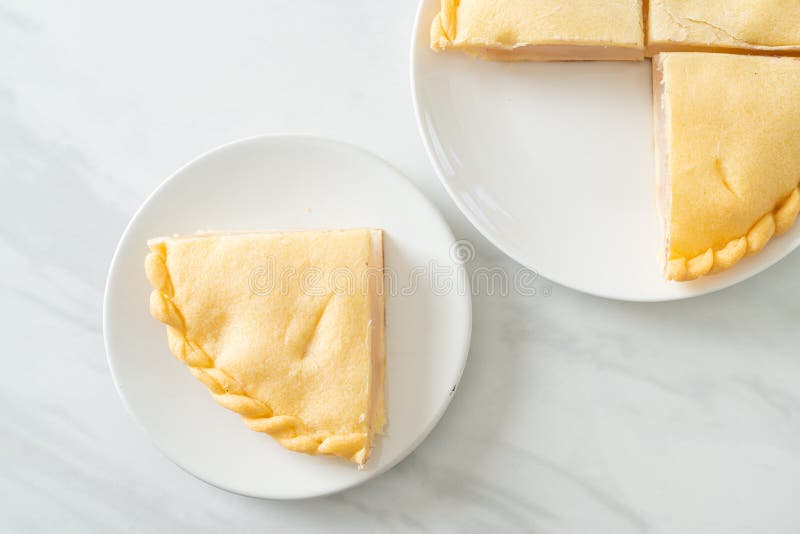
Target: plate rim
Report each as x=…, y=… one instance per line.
x=465, y=311
x=497, y=240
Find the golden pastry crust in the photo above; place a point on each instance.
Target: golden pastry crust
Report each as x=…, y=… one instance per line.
x=775, y=223
x=760, y=26
x=296, y=364
x=541, y=30
x=731, y=135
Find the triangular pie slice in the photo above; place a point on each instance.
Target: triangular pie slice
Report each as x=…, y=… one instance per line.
x=743, y=26
x=728, y=151
x=286, y=329
x=541, y=30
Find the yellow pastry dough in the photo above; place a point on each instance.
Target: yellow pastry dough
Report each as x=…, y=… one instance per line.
x=543, y=30
x=756, y=26
x=286, y=329
x=728, y=141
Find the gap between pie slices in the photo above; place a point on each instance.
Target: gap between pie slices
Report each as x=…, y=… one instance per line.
x=284, y=328
x=575, y=30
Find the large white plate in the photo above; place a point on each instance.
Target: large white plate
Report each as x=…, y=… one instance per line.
x=553, y=163
x=289, y=182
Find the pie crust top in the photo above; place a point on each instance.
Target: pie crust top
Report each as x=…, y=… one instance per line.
x=511, y=29
x=730, y=136
x=760, y=25
x=285, y=329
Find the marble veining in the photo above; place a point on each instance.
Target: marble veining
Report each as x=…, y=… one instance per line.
x=574, y=415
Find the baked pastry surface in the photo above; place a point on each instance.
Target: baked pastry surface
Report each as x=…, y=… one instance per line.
x=728, y=145
x=541, y=30
x=286, y=329
x=751, y=26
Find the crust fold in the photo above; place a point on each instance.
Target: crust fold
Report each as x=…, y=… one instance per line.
x=774, y=223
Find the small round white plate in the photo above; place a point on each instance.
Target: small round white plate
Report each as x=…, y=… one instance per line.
x=290, y=182
x=553, y=163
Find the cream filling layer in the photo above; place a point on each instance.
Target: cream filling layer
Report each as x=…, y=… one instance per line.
x=552, y=52
x=377, y=340
x=658, y=47
x=661, y=145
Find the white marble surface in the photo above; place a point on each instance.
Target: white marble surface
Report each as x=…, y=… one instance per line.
x=575, y=414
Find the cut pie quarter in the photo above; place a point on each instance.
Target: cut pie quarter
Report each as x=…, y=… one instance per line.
x=728, y=145
x=286, y=329
x=541, y=30
x=747, y=26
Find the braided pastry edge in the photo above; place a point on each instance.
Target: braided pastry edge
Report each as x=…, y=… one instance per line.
x=774, y=223
x=289, y=431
